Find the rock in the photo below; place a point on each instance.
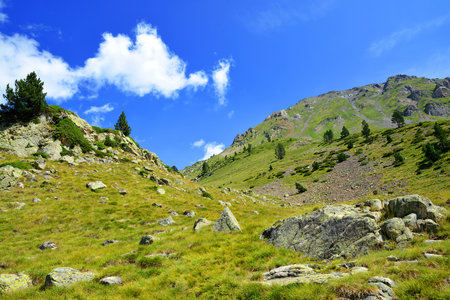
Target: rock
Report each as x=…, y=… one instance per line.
x=337, y=231
x=387, y=281
x=39, y=164
x=226, y=222
x=421, y=206
x=95, y=185
x=427, y=225
x=112, y=280
x=298, y=274
x=166, y=222
x=411, y=221
x=374, y=204
x=384, y=288
x=173, y=213
x=395, y=229
x=160, y=191
x=431, y=255
x=431, y=241
x=157, y=204
x=15, y=205
x=66, y=276
x=358, y=270
x=13, y=282
x=109, y=242
x=200, y=223
x=199, y=205
x=36, y=200
x=223, y=203
x=47, y=245
x=392, y=258
x=122, y=191
x=146, y=240
x=410, y=110
x=442, y=89
x=255, y=212
x=189, y=213
x=164, y=181
x=347, y=265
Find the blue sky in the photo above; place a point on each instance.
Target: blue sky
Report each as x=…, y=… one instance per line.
x=190, y=75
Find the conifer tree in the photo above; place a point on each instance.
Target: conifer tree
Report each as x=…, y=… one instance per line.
x=280, y=152
x=365, y=130
x=122, y=125
x=328, y=136
x=398, y=119
x=344, y=132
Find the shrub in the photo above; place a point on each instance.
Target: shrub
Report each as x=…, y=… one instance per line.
x=100, y=145
x=398, y=119
x=344, y=132
x=342, y=157
x=66, y=152
x=280, y=152
x=328, y=136
x=280, y=174
x=388, y=139
x=44, y=155
x=300, y=188
x=418, y=137
x=17, y=164
x=315, y=165
x=349, y=145
x=398, y=159
x=430, y=152
x=365, y=130
x=70, y=135
x=207, y=195
x=109, y=142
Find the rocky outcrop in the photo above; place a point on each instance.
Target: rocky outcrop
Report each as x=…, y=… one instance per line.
x=421, y=206
x=332, y=232
x=146, y=240
x=437, y=109
x=278, y=114
x=9, y=176
x=410, y=110
x=395, y=229
x=66, y=276
x=226, y=222
x=442, y=89
x=13, y=282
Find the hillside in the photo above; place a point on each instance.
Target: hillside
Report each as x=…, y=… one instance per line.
x=52, y=217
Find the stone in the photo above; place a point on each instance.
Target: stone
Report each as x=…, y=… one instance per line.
x=122, y=191
x=173, y=213
x=166, y=221
x=189, y=213
x=112, y=280
x=392, y=258
x=146, y=240
x=160, y=191
x=255, y=212
x=387, y=281
x=39, y=164
x=358, y=270
x=47, y=245
x=395, y=229
x=12, y=282
x=410, y=221
x=157, y=204
x=421, y=206
x=431, y=255
x=164, y=181
x=427, y=225
x=95, y=185
x=200, y=223
x=36, y=200
x=15, y=205
x=336, y=231
x=374, y=204
x=199, y=205
x=109, y=242
x=65, y=276
x=226, y=222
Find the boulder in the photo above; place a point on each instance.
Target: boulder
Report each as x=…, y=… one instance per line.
x=112, y=280
x=338, y=231
x=166, y=221
x=226, y=222
x=421, y=206
x=146, y=240
x=95, y=185
x=160, y=191
x=65, y=276
x=384, y=288
x=411, y=221
x=427, y=225
x=200, y=223
x=39, y=164
x=122, y=191
x=395, y=229
x=47, y=245
x=374, y=204
x=189, y=213
x=13, y=282
x=438, y=109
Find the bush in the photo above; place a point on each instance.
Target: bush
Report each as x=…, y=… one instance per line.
x=207, y=195
x=342, y=157
x=300, y=188
x=70, y=135
x=315, y=165
x=280, y=152
x=66, y=152
x=398, y=159
x=100, y=145
x=388, y=139
x=328, y=136
x=344, y=132
x=44, y=155
x=17, y=164
x=430, y=152
x=349, y=145
x=109, y=142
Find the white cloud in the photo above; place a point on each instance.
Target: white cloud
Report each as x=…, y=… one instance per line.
x=99, y=109
x=141, y=66
x=221, y=79
x=230, y=114
x=97, y=120
x=19, y=55
x=3, y=16
x=379, y=47
x=212, y=149
x=198, y=143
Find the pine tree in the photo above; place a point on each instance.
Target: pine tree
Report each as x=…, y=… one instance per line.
x=344, y=132
x=398, y=119
x=300, y=188
x=328, y=136
x=122, y=125
x=205, y=169
x=366, y=129
x=280, y=152
x=249, y=149
x=26, y=101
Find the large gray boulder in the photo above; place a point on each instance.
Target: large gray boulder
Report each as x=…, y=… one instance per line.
x=395, y=229
x=339, y=231
x=226, y=222
x=66, y=276
x=12, y=282
x=421, y=206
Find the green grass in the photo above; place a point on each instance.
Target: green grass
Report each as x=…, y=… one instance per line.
x=70, y=135
x=17, y=164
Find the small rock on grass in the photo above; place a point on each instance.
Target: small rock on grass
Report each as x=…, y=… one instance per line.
x=65, y=276
x=146, y=240
x=112, y=280
x=47, y=245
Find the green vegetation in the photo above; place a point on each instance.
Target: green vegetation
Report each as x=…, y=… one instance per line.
x=25, y=101
x=109, y=142
x=300, y=188
x=280, y=152
x=42, y=154
x=100, y=145
x=397, y=118
x=70, y=135
x=365, y=130
x=17, y=164
x=344, y=132
x=122, y=125
x=328, y=136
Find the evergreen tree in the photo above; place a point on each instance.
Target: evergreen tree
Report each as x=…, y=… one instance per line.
x=344, y=132
x=205, y=169
x=249, y=149
x=26, y=101
x=300, y=188
x=280, y=152
x=398, y=119
x=430, y=152
x=328, y=136
x=365, y=130
x=388, y=139
x=441, y=135
x=122, y=125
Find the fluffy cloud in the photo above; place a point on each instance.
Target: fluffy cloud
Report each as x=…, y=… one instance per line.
x=212, y=149
x=20, y=55
x=97, y=120
x=198, y=143
x=221, y=79
x=141, y=66
x=99, y=109
x=3, y=16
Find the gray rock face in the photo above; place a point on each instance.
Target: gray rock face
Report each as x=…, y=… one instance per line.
x=226, y=222
x=437, y=109
x=112, y=280
x=384, y=288
x=66, y=276
x=395, y=230
x=166, y=222
x=339, y=231
x=200, y=223
x=40, y=164
x=410, y=110
x=146, y=240
x=411, y=221
x=421, y=206
x=427, y=225
x=95, y=185
x=9, y=176
x=374, y=204
x=442, y=89
x=47, y=245
x=13, y=282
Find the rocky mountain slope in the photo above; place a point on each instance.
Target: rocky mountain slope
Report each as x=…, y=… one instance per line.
x=87, y=214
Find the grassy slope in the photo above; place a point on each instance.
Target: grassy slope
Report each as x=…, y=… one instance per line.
x=203, y=265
